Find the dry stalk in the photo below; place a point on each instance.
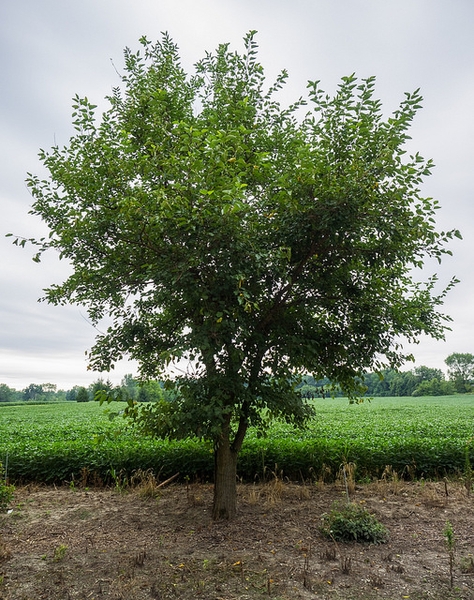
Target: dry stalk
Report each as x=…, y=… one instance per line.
x=347, y=476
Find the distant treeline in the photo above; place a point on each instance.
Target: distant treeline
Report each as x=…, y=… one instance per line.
x=421, y=381
x=130, y=387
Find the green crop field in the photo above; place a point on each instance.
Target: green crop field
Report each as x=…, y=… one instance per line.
x=417, y=437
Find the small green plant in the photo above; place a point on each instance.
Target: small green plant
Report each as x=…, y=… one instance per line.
x=468, y=472
x=120, y=480
x=451, y=546
x=352, y=522
x=59, y=553
x=6, y=491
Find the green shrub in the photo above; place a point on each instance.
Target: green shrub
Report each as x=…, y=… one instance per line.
x=82, y=395
x=6, y=491
x=351, y=522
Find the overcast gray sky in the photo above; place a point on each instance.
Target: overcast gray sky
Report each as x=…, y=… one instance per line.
x=53, y=49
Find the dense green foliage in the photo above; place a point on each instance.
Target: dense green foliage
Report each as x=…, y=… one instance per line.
x=421, y=381
x=55, y=442
x=129, y=388
x=417, y=436
x=254, y=240
x=353, y=523
x=245, y=234
x=8, y=394
x=461, y=370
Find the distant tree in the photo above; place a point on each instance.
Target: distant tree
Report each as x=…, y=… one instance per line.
x=391, y=382
x=49, y=391
x=72, y=393
x=421, y=381
x=434, y=387
x=60, y=396
x=312, y=388
x=403, y=384
x=100, y=385
x=214, y=225
x=382, y=383
x=151, y=391
x=49, y=388
x=82, y=395
x=33, y=392
x=423, y=373
x=431, y=382
x=7, y=394
x=461, y=370
x=130, y=387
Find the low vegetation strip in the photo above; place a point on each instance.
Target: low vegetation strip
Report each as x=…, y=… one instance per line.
x=77, y=442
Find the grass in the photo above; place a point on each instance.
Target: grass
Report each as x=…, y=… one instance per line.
x=351, y=522
x=76, y=442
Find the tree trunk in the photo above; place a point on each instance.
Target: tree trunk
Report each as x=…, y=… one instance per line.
x=225, y=480
x=226, y=452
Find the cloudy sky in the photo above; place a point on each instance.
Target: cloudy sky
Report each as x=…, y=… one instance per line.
x=53, y=49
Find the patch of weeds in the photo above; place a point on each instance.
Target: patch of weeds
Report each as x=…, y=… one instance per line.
x=351, y=522
x=6, y=491
x=392, y=480
x=120, y=480
x=466, y=564
x=307, y=581
x=139, y=559
x=193, y=499
x=325, y=476
x=431, y=495
x=254, y=496
x=274, y=490
x=146, y=484
x=59, y=553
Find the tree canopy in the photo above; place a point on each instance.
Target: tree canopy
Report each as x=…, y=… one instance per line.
x=252, y=239
x=461, y=370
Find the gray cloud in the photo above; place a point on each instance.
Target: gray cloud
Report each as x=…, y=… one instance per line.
x=52, y=49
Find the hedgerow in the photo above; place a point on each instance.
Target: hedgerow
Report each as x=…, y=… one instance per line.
x=416, y=437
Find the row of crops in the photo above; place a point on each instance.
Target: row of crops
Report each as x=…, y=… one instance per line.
x=417, y=437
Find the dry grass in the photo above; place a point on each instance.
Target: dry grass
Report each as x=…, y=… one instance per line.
x=274, y=492
x=346, y=478
x=146, y=484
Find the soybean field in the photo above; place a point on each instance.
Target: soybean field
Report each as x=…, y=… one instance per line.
x=77, y=443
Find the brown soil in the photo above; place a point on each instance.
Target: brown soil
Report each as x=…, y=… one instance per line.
x=63, y=544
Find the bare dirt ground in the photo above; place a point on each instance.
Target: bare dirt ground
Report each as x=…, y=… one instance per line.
x=64, y=544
